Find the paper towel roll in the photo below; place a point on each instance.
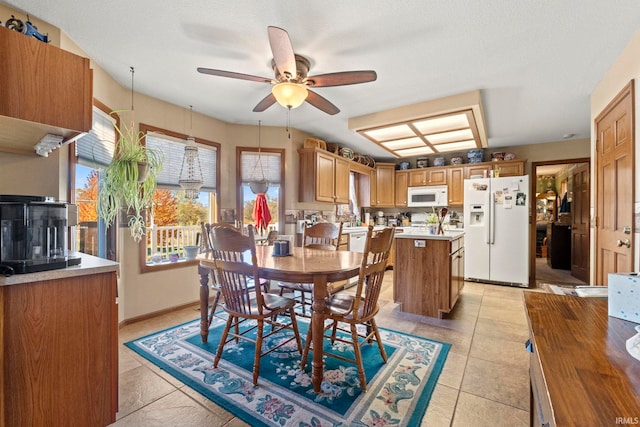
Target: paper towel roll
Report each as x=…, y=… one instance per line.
x=367, y=217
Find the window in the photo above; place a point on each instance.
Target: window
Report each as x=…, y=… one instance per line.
x=173, y=222
x=93, y=152
x=248, y=169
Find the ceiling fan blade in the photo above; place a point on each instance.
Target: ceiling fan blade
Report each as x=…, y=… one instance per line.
x=322, y=103
x=266, y=102
x=342, y=78
x=233, y=75
x=282, y=51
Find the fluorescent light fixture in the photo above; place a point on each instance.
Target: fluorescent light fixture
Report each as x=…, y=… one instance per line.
x=400, y=144
x=437, y=126
x=414, y=151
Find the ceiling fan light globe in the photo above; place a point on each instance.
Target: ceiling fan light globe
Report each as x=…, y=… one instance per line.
x=290, y=95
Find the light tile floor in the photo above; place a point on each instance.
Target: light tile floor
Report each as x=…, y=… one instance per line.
x=485, y=380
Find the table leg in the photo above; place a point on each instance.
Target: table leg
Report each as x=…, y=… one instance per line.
x=317, y=323
x=204, y=302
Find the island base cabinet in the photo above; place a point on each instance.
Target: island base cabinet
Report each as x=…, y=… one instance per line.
x=422, y=276
x=59, y=354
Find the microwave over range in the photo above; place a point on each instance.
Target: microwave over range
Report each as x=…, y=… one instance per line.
x=428, y=196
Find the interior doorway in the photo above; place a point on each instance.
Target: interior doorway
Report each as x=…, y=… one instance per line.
x=558, y=204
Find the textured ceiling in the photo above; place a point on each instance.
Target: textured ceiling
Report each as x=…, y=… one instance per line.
x=535, y=62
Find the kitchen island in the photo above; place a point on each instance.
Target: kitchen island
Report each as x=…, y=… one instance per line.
x=428, y=271
x=59, y=346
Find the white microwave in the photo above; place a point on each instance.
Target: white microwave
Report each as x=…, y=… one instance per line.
x=434, y=195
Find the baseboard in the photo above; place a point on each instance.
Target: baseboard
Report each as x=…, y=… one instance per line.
x=153, y=314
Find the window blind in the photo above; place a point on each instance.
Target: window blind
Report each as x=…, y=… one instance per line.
x=172, y=150
x=250, y=168
x=96, y=148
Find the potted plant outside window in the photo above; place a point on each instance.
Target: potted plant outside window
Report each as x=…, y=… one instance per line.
x=129, y=182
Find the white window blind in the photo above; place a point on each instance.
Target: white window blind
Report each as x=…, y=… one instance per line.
x=96, y=148
x=250, y=167
x=172, y=150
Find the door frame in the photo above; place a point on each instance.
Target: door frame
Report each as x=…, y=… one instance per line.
x=532, y=212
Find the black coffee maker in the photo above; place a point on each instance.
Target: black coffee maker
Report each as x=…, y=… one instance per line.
x=33, y=234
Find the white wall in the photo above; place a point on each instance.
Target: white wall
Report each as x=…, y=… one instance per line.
x=624, y=69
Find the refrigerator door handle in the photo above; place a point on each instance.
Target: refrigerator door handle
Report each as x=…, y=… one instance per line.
x=492, y=219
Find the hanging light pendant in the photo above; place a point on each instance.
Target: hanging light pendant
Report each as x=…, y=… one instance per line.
x=258, y=186
x=190, y=172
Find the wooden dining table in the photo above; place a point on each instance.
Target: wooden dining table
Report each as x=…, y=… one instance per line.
x=314, y=266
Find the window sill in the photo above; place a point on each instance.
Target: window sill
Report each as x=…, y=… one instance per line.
x=168, y=265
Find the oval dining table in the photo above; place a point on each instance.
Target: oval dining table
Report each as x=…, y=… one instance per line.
x=303, y=265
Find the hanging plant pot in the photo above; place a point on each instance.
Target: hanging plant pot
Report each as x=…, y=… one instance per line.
x=143, y=171
x=259, y=187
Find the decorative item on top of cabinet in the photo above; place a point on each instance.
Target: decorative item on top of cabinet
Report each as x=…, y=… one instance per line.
x=48, y=89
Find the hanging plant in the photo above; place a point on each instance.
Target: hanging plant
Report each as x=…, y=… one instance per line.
x=129, y=182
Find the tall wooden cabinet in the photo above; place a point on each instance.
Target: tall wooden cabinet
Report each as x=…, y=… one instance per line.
x=324, y=177
x=59, y=347
x=455, y=184
x=48, y=89
x=402, y=185
x=383, y=193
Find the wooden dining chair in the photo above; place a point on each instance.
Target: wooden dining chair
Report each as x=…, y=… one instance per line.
x=236, y=264
x=360, y=308
x=323, y=235
x=206, y=244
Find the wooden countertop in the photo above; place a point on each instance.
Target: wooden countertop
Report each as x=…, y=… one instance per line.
x=590, y=377
x=88, y=265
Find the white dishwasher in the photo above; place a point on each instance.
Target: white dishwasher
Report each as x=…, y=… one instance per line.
x=357, y=240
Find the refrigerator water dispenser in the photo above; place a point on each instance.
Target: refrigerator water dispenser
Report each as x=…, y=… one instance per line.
x=476, y=216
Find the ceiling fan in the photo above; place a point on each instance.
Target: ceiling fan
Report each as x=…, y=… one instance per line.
x=291, y=82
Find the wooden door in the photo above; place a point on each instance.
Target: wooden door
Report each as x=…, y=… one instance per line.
x=325, y=178
x=385, y=185
x=455, y=184
x=417, y=178
x=401, y=188
x=614, y=187
x=580, y=224
x=342, y=172
x=437, y=176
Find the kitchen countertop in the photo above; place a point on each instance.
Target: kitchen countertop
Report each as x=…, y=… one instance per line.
x=410, y=232
x=89, y=265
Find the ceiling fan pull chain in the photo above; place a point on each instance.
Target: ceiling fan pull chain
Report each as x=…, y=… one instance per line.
x=289, y=123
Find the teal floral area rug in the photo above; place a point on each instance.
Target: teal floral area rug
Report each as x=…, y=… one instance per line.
x=398, y=392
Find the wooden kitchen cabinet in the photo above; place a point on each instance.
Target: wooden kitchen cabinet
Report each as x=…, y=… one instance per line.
x=509, y=167
x=428, y=274
x=384, y=188
x=48, y=89
x=455, y=184
x=506, y=168
x=428, y=176
x=59, y=346
x=477, y=169
x=324, y=177
x=402, y=185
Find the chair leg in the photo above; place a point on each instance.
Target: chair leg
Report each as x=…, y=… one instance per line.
x=356, y=350
x=307, y=347
x=223, y=339
x=294, y=324
x=216, y=300
x=380, y=346
x=256, y=362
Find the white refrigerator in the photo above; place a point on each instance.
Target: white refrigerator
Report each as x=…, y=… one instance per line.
x=496, y=225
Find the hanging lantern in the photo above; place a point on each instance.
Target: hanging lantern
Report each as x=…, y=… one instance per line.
x=190, y=172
